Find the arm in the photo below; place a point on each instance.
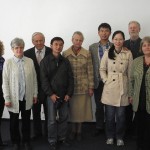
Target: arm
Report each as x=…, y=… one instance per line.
x=90, y=74
x=45, y=83
x=6, y=85
x=104, y=67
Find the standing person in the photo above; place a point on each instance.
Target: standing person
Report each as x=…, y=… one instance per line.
x=37, y=53
x=58, y=84
x=97, y=51
x=114, y=70
x=1, y=92
x=139, y=94
x=20, y=92
x=80, y=104
x=132, y=44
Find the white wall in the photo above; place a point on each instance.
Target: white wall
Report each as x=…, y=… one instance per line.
x=20, y=18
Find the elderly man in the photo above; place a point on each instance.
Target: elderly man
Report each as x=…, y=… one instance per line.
x=133, y=44
x=37, y=53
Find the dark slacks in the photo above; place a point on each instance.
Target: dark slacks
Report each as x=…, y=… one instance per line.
x=143, y=130
x=1, y=113
x=99, y=114
x=14, y=125
x=36, y=110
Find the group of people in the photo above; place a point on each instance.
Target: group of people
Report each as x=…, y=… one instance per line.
x=64, y=83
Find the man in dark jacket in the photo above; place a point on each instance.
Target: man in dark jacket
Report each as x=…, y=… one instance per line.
x=58, y=84
x=133, y=44
x=37, y=53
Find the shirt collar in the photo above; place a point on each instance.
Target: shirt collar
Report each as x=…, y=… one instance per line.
x=107, y=45
x=42, y=50
x=18, y=59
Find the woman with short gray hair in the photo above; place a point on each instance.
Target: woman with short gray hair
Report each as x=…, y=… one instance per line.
x=20, y=92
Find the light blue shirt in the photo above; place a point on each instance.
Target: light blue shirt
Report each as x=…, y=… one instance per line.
x=20, y=64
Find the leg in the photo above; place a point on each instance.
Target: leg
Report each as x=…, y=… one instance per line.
x=120, y=122
x=1, y=113
x=129, y=118
x=25, y=114
x=14, y=128
x=52, y=124
x=99, y=114
x=110, y=121
x=46, y=117
x=63, y=121
x=37, y=125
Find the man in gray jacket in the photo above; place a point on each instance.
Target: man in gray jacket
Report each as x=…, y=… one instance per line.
x=97, y=51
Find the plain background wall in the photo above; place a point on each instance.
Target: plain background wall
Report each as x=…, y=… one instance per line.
x=20, y=18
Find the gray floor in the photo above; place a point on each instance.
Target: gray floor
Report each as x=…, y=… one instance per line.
x=88, y=142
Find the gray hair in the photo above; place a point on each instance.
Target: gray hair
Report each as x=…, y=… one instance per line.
x=17, y=42
x=37, y=33
x=135, y=23
x=78, y=33
x=145, y=39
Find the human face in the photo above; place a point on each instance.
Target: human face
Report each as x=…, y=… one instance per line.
x=104, y=34
x=57, y=47
x=38, y=41
x=77, y=41
x=18, y=51
x=118, y=41
x=134, y=30
x=146, y=48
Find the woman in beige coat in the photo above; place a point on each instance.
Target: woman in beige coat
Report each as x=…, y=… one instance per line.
x=80, y=103
x=114, y=70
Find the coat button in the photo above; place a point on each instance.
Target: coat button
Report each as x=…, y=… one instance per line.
x=121, y=63
x=114, y=71
x=113, y=62
x=113, y=79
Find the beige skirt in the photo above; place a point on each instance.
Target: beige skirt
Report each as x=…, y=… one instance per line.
x=80, y=108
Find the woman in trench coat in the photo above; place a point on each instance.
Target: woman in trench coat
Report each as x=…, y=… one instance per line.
x=114, y=70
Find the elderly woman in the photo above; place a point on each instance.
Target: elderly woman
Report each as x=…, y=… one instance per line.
x=80, y=104
x=139, y=92
x=1, y=92
x=114, y=70
x=20, y=92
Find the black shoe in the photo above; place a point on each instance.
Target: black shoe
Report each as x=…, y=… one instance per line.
x=79, y=137
x=98, y=132
x=27, y=146
x=3, y=144
x=72, y=136
x=64, y=143
x=53, y=146
x=16, y=147
x=36, y=137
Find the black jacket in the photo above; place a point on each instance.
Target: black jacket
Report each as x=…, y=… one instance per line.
x=31, y=54
x=56, y=76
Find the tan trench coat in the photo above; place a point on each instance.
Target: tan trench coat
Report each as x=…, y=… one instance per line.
x=115, y=75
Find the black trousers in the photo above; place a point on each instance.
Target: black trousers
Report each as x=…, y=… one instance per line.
x=1, y=113
x=143, y=130
x=14, y=124
x=36, y=110
x=99, y=114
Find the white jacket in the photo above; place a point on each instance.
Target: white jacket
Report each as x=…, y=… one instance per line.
x=11, y=86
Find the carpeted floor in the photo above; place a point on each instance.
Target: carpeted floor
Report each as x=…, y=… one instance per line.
x=88, y=143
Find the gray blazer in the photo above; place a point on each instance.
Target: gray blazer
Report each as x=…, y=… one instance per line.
x=96, y=62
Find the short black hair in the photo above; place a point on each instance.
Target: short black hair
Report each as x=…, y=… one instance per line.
x=56, y=39
x=104, y=25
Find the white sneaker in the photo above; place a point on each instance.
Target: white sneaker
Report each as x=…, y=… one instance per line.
x=110, y=141
x=120, y=142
